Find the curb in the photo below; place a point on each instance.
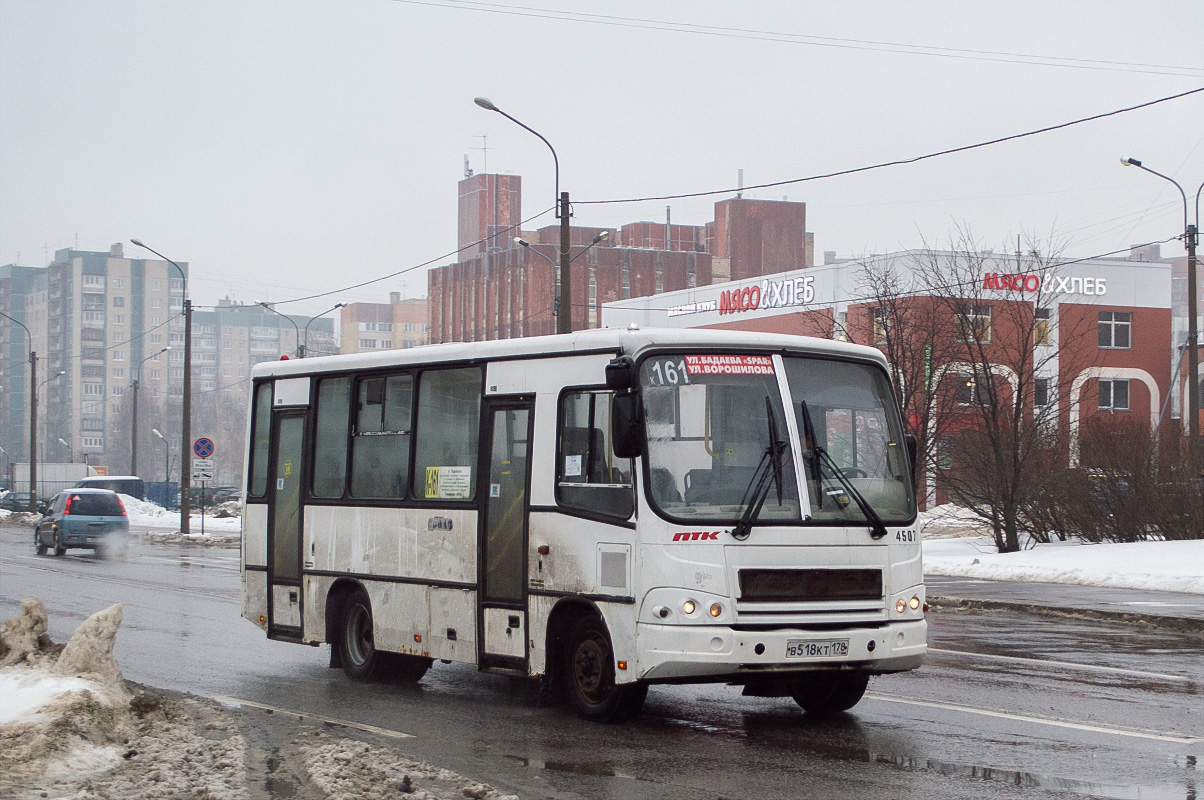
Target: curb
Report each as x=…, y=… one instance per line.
x=1180, y=624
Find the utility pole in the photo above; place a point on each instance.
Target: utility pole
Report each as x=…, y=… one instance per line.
x=186, y=439
x=33, y=432
x=134, y=432
x=564, y=300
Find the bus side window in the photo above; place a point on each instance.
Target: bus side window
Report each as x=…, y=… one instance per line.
x=262, y=437
x=380, y=449
x=330, y=441
x=446, y=433
x=588, y=475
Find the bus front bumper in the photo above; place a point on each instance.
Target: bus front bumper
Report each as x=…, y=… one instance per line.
x=706, y=652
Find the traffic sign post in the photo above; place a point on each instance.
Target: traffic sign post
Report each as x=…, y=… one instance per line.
x=203, y=469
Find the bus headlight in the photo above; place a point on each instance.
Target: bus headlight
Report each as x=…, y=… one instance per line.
x=688, y=607
x=716, y=609
x=900, y=605
x=914, y=602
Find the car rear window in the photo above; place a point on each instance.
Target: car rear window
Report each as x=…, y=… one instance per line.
x=96, y=505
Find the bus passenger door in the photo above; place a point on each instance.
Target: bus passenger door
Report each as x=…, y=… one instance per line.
x=284, y=526
x=505, y=470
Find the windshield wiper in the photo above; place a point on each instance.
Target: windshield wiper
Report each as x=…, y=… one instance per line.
x=817, y=456
x=758, y=487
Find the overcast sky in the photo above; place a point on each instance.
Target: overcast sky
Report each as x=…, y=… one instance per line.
x=291, y=148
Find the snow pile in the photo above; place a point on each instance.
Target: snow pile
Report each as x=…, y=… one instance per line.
x=144, y=514
x=1160, y=566
x=63, y=710
x=349, y=770
x=71, y=728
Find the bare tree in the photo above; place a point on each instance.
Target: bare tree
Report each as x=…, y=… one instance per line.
x=1009, y=372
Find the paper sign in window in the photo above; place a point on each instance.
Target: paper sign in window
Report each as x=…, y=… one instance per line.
x=572, y=466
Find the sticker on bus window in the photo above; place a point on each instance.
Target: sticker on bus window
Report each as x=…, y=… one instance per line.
x=449, y=483
x=729, y=365
x=572, y=466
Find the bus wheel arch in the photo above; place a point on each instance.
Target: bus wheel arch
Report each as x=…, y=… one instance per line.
x=579, y=645
x=349, y=613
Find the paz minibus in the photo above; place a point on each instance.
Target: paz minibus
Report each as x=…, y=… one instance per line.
x=609, y=510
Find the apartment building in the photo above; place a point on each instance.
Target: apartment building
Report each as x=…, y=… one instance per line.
x=398, y=324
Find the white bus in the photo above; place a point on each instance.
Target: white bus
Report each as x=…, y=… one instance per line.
x=610, y=509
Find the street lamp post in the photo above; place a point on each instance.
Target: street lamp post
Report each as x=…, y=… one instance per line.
x=33, y=416
x=186, y=404
x=33, y=457
x=134, y=414
x=564, y=297
x=1190, y=234
x=296, y=331
x=305, y=347
x=166, y=467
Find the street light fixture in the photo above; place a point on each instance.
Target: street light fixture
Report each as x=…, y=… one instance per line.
x=300, y=351
x=601, y=237
x=563, y=308
x=305, y=347
x=1190, y=234
x=134, y=415
x=186, y=404
x=33, y=416
x=70, y=449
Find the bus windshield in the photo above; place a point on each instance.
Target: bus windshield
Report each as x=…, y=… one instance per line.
x=708, y=430
x=851, y=412
x=708, y=435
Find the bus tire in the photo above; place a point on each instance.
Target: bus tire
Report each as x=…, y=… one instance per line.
x=830, y=693
x=357, y=647
x=589, y=671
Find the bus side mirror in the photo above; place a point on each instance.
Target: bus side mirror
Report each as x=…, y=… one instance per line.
x=620, y=374
x=913, y=450
x=625, y=424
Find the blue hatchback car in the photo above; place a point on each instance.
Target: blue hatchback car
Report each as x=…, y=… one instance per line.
x=91, y=518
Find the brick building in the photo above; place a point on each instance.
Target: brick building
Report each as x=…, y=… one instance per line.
x=1100, y=329
x=501, y=290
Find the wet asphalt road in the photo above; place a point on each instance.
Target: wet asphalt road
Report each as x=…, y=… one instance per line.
x=1009, y=705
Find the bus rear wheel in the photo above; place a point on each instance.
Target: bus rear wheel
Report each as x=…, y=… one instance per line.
x=589, y=670
x=830, y=693
x=357, y=647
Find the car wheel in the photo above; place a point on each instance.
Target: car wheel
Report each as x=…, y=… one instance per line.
x=357, y=647
x=589, y=669
x=830, y=693
x=60, y=551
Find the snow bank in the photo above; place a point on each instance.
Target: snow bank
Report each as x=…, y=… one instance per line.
x=144, y=514
x=71, y=728
x=1157, y=566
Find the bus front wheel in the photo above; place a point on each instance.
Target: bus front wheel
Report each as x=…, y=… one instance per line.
x=357, y=648
x=590, y=675
x=830, y=693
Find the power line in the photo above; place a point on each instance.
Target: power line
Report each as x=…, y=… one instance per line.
x=457, y=251
x=811, y=40
x=898, y=162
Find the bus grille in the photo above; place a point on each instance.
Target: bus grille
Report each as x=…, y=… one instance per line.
x=810, y=597
x=809, y=585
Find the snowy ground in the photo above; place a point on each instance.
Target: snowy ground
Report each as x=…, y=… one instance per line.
x=957, y=543
x=71, y=727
